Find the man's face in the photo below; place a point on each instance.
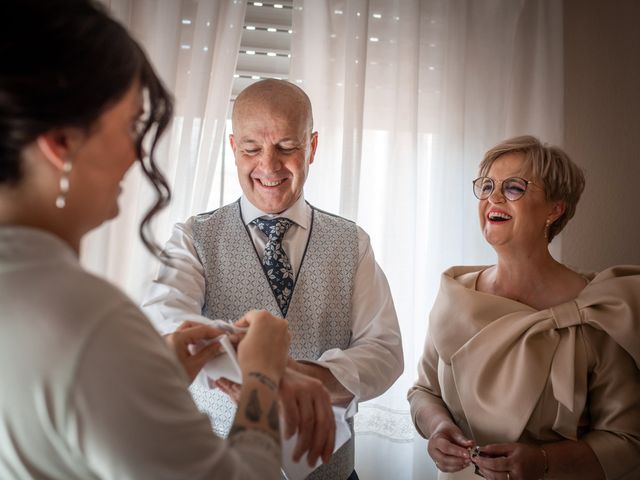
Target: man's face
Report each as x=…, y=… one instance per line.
x=273, y=150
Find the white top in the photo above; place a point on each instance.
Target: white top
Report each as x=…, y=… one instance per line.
x=374, y=358
x=89, y=389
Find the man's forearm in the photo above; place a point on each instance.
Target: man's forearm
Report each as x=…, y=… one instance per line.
x=339, y=394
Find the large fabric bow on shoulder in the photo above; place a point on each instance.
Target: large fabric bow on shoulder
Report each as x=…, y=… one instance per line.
x=502, y=352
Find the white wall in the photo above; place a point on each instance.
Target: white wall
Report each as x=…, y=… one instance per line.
x=602, y=130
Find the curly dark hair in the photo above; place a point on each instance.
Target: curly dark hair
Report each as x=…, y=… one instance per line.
x=63, y=63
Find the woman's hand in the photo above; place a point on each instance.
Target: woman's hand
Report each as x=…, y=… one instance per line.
x=193, y=333
x=265, y=346
x=262, y=355
x=448, y=447
x=305, y=407
x=511, y=461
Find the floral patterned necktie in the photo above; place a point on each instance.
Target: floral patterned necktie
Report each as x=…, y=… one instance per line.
x=275, y=262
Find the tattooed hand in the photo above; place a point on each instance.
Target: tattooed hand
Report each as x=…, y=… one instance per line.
x=305, y=406
x=262, y=355
x=265, y=346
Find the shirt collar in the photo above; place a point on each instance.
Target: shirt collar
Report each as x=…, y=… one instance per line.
x=299, y=212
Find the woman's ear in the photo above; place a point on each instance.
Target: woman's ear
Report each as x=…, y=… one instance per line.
x=58, y=145
x=556, y=211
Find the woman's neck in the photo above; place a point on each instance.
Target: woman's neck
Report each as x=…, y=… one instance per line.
x=525, y=268
x=27, y=212
x=531, y=277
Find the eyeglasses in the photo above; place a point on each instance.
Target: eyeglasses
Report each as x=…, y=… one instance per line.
x=512, y=188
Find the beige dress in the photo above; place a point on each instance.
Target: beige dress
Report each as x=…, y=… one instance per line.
x=508, y=372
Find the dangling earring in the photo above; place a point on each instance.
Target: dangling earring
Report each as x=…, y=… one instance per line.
x=61, y=199
x=546, y=229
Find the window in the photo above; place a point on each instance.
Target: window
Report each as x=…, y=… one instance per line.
x=265, y=52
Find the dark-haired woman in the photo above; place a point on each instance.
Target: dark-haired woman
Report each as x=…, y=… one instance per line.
x=89, y=390
x=532, y=362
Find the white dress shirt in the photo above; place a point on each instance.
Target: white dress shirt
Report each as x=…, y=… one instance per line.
x=374, y=359
x=90, y=390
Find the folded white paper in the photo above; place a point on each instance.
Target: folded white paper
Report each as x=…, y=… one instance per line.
x=224, y=325
x=224, y=365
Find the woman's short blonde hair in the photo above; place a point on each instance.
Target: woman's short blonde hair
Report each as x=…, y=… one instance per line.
x=548, y=166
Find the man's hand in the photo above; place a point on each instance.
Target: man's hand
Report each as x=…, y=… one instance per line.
x=339, y=394
x=193, y=333
x=305, y=407
x=232, y=389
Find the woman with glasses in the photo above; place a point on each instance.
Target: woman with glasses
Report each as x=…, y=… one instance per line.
x=88, y=389
x=530, y=369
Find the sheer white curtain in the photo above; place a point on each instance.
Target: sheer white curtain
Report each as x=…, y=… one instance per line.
x=194, y=47
x=407, y=96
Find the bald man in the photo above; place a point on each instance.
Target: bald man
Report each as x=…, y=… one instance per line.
x=273, y=250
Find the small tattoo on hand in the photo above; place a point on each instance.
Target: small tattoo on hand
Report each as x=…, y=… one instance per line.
x=264, y=380
x=272, y=416
x=253, y=410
